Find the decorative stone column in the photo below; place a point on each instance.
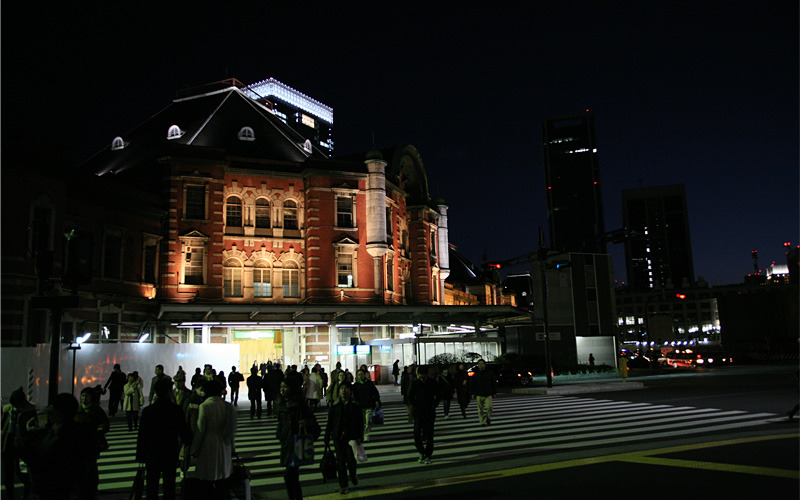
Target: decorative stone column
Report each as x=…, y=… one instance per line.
x=444, y=248
x=376, y=214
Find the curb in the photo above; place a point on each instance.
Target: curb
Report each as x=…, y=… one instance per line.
x=581, y=388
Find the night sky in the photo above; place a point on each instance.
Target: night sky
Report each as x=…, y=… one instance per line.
x=704, y=94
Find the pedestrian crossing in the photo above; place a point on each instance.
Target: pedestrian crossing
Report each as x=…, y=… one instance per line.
x=522, y=425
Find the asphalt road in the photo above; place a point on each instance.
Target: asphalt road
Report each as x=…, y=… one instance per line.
x=754, y=462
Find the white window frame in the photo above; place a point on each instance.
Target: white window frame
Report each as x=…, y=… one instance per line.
x=195, y=246
x=292, y=271
x=259, y=284
x=232, y=279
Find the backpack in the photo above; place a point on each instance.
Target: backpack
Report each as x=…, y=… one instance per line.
x=327, y=466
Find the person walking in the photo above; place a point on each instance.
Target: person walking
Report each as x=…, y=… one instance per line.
x=345, y=424
x=224, y=383
x=461, y=381
x=292, y=413
x=116, y=386
x=396, y=371
x=134, y=399
x=234, y=381
x=446, y=388
x=368, y=398
x=58, y=455
x=254, y=383
x=408, y=377
x=422, y=396
x=17, y=415
x=335, y=373
x=484, y=387
x=162, y=432
x=591, y=359
x=272, y=387
x=197, y=378
x=213, y=444
x=314, y=388
x=95, y=419
x=333, y=389
x=159, y=375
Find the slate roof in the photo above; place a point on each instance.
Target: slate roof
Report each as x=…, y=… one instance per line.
x=211, y=124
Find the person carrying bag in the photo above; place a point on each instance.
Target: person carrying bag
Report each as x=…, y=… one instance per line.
x=345, y=428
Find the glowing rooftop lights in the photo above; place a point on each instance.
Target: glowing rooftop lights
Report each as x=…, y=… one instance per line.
x=272, y=87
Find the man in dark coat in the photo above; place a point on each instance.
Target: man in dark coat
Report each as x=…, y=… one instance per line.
x=115, y=384
x=272, y=387
x=159, y=375
x=345, y=424
x=94, y=417
x=422, y=397
x=162, y=432
x=368, y=397
x=484, y=387
x=234, y=379
x=254, y=383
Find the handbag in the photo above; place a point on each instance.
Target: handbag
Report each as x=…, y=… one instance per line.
x=302, y=450
x=358, y=450
x=377, y=416
x=239, y=480
x=327, y=466
x=137, y=489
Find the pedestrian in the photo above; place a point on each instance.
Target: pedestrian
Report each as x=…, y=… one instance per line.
x=345, y=424
x=292, y=413
x=197, y=378
x=254, y=393
x=162, y=432
x=272, y=388
x=484, y=387
x=116, y=386
x=348, y=376
x=368, y=397
x=623, y=367
x=335, y=375
x=324, y=377
x=213, y=443
x=396, y=371
x=263, y=369
x=91, y=415
x=159, y=375
x=408, y=377
x=17, y=415
x=461, y=380
x=591, y=359
x=134, y=399
x=422, y=396
x=445, y=382
x=58, y=456
x=234, y=381
x=314, y=388
x=333, y=390
x=180, y=376
x=181, y=393
x=224, y=382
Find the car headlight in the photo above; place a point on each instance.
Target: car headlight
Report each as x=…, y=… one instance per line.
x=700, y=361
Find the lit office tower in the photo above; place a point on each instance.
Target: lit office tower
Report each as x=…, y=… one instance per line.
x=661, y=257
x=572, y=177
x=312, y=119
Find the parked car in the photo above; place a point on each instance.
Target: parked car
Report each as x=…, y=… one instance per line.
x=679, y=359
x=507, y=374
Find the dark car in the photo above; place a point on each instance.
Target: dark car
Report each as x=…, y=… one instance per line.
x=507, y=374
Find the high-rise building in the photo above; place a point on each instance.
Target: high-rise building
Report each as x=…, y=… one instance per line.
x=661, y=257
x=309, y=117
x=572, y=177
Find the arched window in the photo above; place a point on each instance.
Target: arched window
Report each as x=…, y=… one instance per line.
x=247, y=134
x=233, y=212
x=291, y=280
x=118, y=144
x=262, y=279
x=232, y=278
x=289, y=214
x=262, y=213
x=174, y=132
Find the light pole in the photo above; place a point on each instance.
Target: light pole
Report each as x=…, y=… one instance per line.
x=74, y=348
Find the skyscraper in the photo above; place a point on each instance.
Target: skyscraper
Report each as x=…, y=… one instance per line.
x=662, y=254
x=572, y=177
x=309, y=117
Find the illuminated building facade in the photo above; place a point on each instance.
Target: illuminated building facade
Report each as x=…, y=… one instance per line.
x=572, y=178
x=307, y=116
x=215, y=222
x=661, y=256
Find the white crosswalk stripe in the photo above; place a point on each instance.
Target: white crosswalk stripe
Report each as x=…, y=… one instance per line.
x=520, y=425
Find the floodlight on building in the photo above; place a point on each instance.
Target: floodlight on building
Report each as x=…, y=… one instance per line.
x=83, y=338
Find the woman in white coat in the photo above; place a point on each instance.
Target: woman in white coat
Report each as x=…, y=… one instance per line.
x=133, y=400
x=213, y=444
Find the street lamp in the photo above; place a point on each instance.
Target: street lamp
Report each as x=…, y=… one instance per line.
x=74, y=348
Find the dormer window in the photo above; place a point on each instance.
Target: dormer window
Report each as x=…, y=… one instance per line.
x=247, y=134
x=174, y=132
x=118, y=144
x=307, y=146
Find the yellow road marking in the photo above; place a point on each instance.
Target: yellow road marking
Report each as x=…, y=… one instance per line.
x=635, y=457
x=695, y=464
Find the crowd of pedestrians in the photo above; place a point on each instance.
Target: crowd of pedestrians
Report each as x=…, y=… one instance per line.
x=183, y=426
